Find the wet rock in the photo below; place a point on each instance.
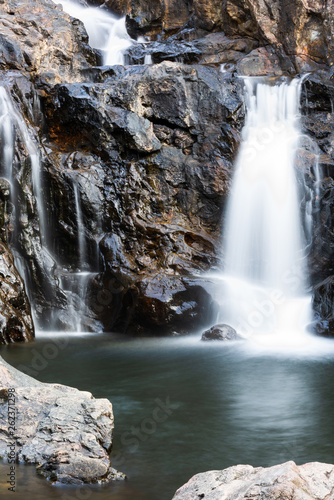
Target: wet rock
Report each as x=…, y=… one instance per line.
x=264, y=61
x=318, y=123
x=323, y=304
x=119, y=7
x=304, y=30
x=165, y=16
x=159, y=203
x=65, y=432
x=16, y=323
x=166, y=305
x=220, y=332
x=309, y=481
x=215, y=48
x=41, y=39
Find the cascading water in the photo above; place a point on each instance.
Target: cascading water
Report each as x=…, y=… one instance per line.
x=265, y=279
x=106, y=32
x=73, y=283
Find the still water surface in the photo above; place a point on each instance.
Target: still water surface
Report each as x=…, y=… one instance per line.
x=229, y=405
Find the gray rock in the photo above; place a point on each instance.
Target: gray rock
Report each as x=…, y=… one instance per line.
x=312, y=481
x=65, y=432
x=220, y=332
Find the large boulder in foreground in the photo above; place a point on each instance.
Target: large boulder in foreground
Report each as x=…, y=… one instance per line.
x=65, y=432
x=285, y=481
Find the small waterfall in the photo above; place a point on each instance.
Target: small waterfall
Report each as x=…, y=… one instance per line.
x=265, y=279
x=10, y=122
x=80, y=229
x=70, y=283
x=106, y=32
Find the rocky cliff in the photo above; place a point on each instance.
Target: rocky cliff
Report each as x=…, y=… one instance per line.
x=136, y=160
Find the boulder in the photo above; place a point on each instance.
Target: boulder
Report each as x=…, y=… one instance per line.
x=65, y=432
x=286, y=481
x=220, y=332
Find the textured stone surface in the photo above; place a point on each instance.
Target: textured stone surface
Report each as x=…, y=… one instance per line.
x=301, y=29
x=40, y=38
x=16, y=323
x=148, y=151
x=312, y=481
x=65, y=432
x=220, y=332
x=160, y=202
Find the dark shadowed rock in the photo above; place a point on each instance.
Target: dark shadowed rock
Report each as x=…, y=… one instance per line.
x=215, y=48
x=65, y=432
x=157, y=196
x=285, y=481
x=220, y=332
x=16, y=323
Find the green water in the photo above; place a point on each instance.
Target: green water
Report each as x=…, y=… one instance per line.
x=226, y=405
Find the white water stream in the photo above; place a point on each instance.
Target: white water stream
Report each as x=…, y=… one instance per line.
x=265, y=278
x=106, y=32
x=73, y=283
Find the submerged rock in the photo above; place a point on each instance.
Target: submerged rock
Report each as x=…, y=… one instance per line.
x=286, y=481
x=220, y=332
x=65, y=432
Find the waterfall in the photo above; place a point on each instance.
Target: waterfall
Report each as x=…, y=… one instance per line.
x=10, y=122
x=70, y=283
x=265, y=278
x=106, y=32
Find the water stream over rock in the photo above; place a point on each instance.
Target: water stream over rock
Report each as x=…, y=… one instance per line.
x=106, y=32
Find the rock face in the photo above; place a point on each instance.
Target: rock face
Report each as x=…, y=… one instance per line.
x=318, y=122
x=220, y=332
x=136, y=161
x=305, y=482
x=65, y=432
x=40, y=38
x=159, y=163
x=16, y=323
x=303, y=29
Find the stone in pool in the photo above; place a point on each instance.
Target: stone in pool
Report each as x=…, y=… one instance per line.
x=220, y=332
x=66, y=432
